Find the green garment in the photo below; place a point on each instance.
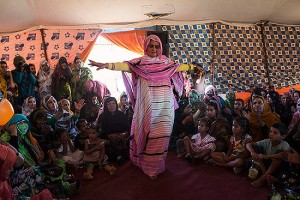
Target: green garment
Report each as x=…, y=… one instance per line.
x=78, y=87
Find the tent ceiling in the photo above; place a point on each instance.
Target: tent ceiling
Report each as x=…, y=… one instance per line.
x=18, y=15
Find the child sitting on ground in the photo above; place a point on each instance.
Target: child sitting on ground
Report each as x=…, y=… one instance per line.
x=66, y=150
x=237, y=153
x=201, y=144
x=94, y=154
x=268, y=152
x=82, y=135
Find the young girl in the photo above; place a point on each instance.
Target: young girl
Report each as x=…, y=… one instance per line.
x=201, y=144
x=95, y=154
x=237, y=153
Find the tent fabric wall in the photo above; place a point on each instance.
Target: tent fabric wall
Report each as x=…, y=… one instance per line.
x=283, y=50
x=27, y=44
x=68, y=43
x=131, y=40
x=30, y=45
x=237, y=53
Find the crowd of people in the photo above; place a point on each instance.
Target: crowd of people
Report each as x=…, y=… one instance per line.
x=64, y=119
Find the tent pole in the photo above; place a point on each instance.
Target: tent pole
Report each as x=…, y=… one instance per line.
x=262, y=24
x=44, y=45
x=212, y=71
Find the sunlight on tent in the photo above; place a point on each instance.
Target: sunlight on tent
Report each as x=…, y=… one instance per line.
x=105, y=51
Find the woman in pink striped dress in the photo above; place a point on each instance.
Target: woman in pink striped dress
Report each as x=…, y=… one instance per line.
x=149, y=86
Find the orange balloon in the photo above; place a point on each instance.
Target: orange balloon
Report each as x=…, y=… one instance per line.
x=6, y=111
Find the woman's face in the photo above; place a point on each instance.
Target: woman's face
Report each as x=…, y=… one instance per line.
x=124, y=100
x=65, y=105
x=32, y=103
x=51, y=105
x=78, y=63
x=285, y=99
x=22, y=127
x=258, y=105
x=45, y=67
x=211, y=112
x=269, y=99
x=152, y=49
x=111, y=106
x=295, y=97
x=63, y=66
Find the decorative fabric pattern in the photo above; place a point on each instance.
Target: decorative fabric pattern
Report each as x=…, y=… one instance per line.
x=283, y=49
x=239, y=60
x=68, y=43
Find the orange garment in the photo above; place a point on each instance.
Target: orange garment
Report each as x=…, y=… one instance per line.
x=268, y=117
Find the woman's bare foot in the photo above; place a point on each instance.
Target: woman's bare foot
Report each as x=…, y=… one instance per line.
x=87, y=176
x=152, y=178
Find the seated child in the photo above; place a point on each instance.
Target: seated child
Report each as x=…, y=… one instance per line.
x=94, y=154
x=82, y=135
x=268, y=152
x=65, y=149
x=237, y=153
x=201, y=144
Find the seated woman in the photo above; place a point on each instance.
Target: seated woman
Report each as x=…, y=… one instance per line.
x=28, y=106
x=114, y=127
x=125, y=106
x=65, y=118
x=91, y=109
x=261, y=117
x=40, y=130
x=22, y=139
x=220, y=128
x=49, y=104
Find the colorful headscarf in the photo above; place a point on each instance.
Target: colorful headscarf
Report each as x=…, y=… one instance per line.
x=27, y=140
x=46, y=99
x=25, y=108
x=96, y=87
x=151, y=69
x=230, y=99
x=44, y=78
x=268, y=117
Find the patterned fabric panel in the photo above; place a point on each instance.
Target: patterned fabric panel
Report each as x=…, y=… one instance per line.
x=190, y=43
x=238, y=61
x=25, y=44
x=67, y=43
x=283, y=50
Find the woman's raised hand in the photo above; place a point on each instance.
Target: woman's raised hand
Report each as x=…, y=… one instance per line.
x=98, y=65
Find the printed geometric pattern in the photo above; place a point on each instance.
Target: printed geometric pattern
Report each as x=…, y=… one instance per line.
x=25, y=44
x=190, y=43
x=283, y=50
x=238, y=61
x=67, y=43
x=239, y=55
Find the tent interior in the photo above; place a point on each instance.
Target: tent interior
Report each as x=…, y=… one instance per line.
x=228, y=38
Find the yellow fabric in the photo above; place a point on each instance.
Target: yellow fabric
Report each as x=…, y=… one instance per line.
x=185, y=67
x=3, y=86
x=119, y=66
x=268, y=117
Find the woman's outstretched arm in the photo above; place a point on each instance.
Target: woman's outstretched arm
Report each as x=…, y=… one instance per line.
x=118, y=66
x=185, y=67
